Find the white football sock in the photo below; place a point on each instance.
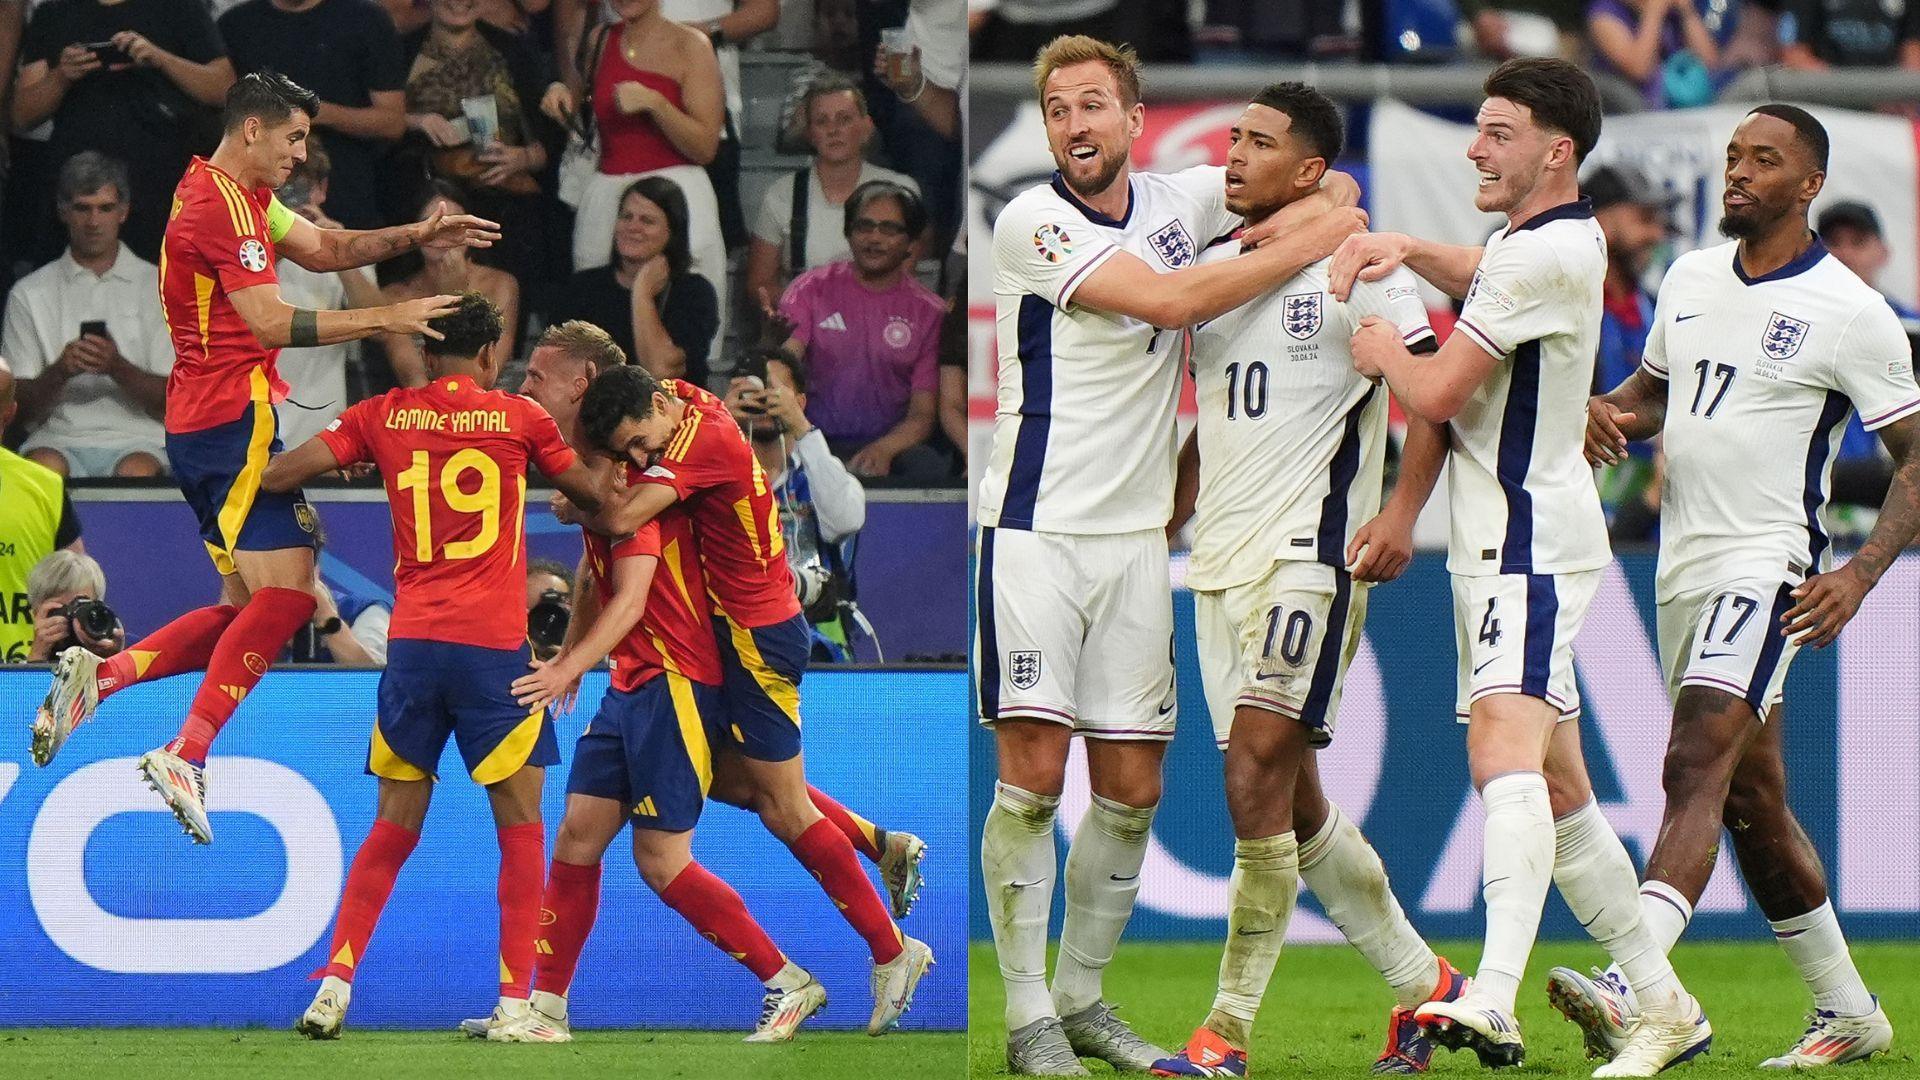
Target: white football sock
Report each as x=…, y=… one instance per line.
x=1819, y=952
x=1517, y=868
x=1596, y=878
x=1017, y=869
x=1347, y=877
x=791, y=976
x=1266, y=878
x=1103, y=877
x=1665, y=913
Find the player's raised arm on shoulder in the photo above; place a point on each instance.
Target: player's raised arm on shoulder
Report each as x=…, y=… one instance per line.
x=618, y=614
x=1372, y=256
x=287, y=471
x=1434, y=387
x=643, y=502
x=323, y=250
x=584, y=485
x=1125, y=285
x=278, y=324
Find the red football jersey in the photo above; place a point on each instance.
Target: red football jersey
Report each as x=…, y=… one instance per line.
x=712, y=468
x=217, y=241
x=675, y=632
x=454, y=460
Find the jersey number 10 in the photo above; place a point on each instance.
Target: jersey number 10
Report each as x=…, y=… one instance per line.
x=485, y=502
x=1250, y=393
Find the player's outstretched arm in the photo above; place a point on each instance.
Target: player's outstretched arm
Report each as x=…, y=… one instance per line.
x=621, y=516
x=1125, y=285
x=618, y=614
x=1433, y=387
x=1372, y=256
x=278, y=324
x=583, y=485
x=1382, y=548
x=323, y=250
x=287, y=471
x=1826, y=602
x=1634, y=410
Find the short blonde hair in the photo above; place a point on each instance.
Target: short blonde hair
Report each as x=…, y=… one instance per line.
x=1070, y=49
x=584, y=342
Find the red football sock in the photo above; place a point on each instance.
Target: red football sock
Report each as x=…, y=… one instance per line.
x=250, y=643
x=369, y=883
x=568, y=910
x=718, y=913
x=867, y=838
x=830, y=859
x=523, y=859
x=185, y=644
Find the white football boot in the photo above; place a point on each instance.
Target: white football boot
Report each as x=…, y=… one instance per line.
x=542, y=1018
x=70, y=702
x=894, y=983
x=1662, y=1040
x=184, y=786
x=900, y=870
x=1600, y=1006
x=1836, y=1040
x=1493, y=1034
x=328, y=1013
x=783, y=1011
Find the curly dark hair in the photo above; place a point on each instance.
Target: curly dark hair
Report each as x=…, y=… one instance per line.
x=625, y=393
x=472, y=326
x=1316, y=119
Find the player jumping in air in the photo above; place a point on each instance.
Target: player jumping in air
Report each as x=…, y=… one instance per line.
x=706, y=467
x=454, y=455
x=222, y=300
x=1282, y=477
x=1759, y=351
x=1075, y=618
x=564, y=362
x=1528, y=547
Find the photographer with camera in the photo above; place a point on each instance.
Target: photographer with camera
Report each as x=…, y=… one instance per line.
x=822, y=504
x=549, y=606
x=67, y=594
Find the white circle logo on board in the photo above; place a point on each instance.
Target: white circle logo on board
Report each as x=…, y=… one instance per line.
x=253, y=255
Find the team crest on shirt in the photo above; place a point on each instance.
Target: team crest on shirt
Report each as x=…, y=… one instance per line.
x=1301, y=314
x=1052, y=242
x=899, y=332
x=1173, y=245
x=1783, y=337
x=1023, y=668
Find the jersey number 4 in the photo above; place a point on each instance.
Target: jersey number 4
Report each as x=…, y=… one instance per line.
x=1722, y=372
x=1489, y=625
x=484, y=501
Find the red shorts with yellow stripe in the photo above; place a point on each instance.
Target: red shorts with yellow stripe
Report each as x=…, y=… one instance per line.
x=219, y=469
x=760, y=669
x=433, y=690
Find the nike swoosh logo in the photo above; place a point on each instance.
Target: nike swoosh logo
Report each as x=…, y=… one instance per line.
x=1276, y=675
x=1716, y=655
x=1117, y=877
x=1026, y=884
x=1165, y=709
x=1684, y=318
x=1254, y=933
x=1483, y=663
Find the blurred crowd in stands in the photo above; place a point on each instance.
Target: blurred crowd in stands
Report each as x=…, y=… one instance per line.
x=700, y=178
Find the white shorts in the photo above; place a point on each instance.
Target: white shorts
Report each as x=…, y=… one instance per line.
x=1514, y=635
x=1728, y=637
x=1076, y=629
x=1281, y=642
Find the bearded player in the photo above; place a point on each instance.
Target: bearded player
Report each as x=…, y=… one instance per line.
x=454, y=454
x=223, y=307
x=1760, y=349
x=1282, y=476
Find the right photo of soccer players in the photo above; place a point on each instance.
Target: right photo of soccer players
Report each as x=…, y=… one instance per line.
x=1420, y=461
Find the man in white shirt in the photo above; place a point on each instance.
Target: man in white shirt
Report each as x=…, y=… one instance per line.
x=1094, y=276
x=1759, y=351
x=87, y=340
x=1527, y=550
x=832, y=112
x=1282, y=476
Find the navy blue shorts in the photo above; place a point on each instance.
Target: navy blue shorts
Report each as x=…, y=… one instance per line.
x=218, y=470
x=651, y=750
x=433, y=689
x=760, y=669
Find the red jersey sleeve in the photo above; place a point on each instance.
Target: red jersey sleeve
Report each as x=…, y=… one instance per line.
x=348, y=435
x=644, y=542
x=230, y=232
x=697, y=458
x=546, y=447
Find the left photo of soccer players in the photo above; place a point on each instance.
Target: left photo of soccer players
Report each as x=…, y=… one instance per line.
x=483, y=538
x=1423, y=456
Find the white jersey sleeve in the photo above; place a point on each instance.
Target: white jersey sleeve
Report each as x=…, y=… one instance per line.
x=1873, y=366
x=1518, y=295
x=1653, y=355
x=1045, y=249
x=1395, y=298
x=1206, y=185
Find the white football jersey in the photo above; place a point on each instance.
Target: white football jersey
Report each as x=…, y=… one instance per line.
x=1292, y=440
x=1083, y=435
x=1521, y=496
x=1761, y=375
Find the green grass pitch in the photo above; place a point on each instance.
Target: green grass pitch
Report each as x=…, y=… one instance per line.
x=1325, y=1013
x=211, y=1054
